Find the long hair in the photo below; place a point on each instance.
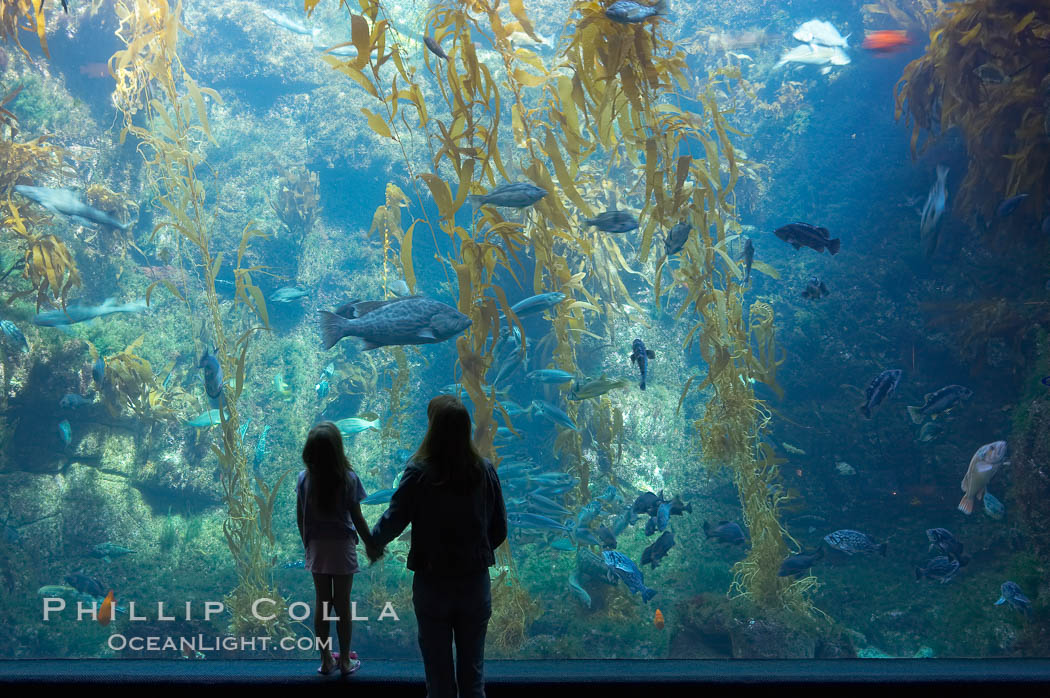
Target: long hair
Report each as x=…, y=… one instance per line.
x=447, y=453
x=327, y=465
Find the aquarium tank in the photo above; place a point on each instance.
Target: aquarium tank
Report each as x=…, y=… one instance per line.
x=749, y=301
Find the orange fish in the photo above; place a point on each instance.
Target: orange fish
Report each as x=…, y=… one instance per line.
x=886, y=41
x=105, y=614
x=983, y=466
x=658, y=620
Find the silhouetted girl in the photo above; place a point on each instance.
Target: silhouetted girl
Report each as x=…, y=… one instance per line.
x=329, y=496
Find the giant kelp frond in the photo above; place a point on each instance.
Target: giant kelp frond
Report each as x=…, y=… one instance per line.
x=297, y=202
x=152, y=82
x=984, y=72
x=17, y=16
x=917, y=16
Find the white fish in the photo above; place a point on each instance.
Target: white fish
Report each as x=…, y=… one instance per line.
x=400, y=288
x=811, y=54
x=817, y=31
x=935, y=202
x=292, y=25
x=983, y=466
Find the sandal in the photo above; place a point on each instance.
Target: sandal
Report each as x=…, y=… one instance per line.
x=352, y=665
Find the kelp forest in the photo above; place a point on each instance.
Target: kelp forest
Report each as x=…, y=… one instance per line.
x=181, y=214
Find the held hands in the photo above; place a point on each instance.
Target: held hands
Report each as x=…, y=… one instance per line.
x=373, y=551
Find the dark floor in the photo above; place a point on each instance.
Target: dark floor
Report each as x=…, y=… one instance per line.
x=548, y=679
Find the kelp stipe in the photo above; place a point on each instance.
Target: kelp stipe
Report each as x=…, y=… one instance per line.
x=151, y=80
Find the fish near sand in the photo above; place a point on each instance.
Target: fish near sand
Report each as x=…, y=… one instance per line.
x=414, y=320
x=799, y=234
x=983, y=467
x=67, y=203
x=292, y=25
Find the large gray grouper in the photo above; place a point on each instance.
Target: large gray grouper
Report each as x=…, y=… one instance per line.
x=413, y=320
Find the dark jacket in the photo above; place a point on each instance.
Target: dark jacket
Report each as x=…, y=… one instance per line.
x=453, y=532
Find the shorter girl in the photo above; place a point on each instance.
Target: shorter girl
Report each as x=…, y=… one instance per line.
x=329, y=496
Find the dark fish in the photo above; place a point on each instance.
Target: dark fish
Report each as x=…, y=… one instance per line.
x=67, y=203
x=1007, y=207
x=630, y=12
x=435, y=48
x=647, y=503
x=108, y=550
x=85, y=584
x=650, y=526
x=1011, y=593
x=72, y=401
x=509, y=195
x=797, y=564
x=414, y=320
x=943, y=540
x=98, y=371
x=726, y=532
x=1046, y=381
x=356, y=308
x=799, y=234
x=14, y=336
x=678, y=507
x=613, y=222
x=939, y=402
x=593, y=567
x=941, y=568
x=537, y=304
x=815, y=289
x=607, y=538
x=640, y=357
x=930, y=431
x=676, y=238
x=212, y=371
x=749, y=257
x=624, y=568
x=881, y=387
x=658, y=550
x=852, y=542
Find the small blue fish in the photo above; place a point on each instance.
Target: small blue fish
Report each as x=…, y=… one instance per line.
x=1046, y=381
x=378, y=497
x=551, y=376
x=630, y=12
x=1010, y=205
x=613, y=221
x=244, y=428
x=65, y=432
x=322, y=389
x=663, y=516
x=640, y=357
x=207, y=419
x=549, y=411
x=98, y=372
x=288, y=294
x=14, y=336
